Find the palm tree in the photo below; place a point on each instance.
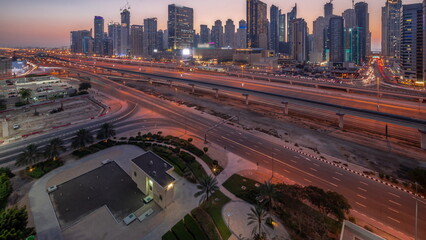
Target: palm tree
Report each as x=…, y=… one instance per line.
x=81, y=139
x=257, y=216
x=207, y=186
x=106, y=131
x=25, y=93
x=54, y=149
x=30, y=156
x=268, y=193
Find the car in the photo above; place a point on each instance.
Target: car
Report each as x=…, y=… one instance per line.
x=16, y=126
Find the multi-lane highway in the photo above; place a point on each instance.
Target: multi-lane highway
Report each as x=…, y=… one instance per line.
x=362, y=111
x=382, y=203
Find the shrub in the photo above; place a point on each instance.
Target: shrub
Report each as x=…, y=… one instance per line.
x=20, y=104
x=206, y=223
x=194, y=228
x=188, y=158
x=168, y=236
x=181, y=232
x=5, y=189
x=7, y=171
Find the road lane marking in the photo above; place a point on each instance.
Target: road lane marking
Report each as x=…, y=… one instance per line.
x=307, y=180
x=308, y=159
x=313, y=169
x=362, y=205
x=339, y=173
x=316, y=165
x=395, y=203
x=248, y=153
x=336, y=179
x=394, y=220
x=393, y=210
x=286, y=171
x=276, y=149
x=366, y=184
x=362, y=189
x=393, y=194
x=293, y=161
x=283, y=163
x=363, y=197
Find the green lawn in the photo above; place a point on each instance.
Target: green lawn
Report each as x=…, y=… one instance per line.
x=180, y=231
x=194, y=228
x=236, y=183
x=214, y=209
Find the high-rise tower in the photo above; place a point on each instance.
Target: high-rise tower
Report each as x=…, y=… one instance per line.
x=180, y=26
x=99, y=34
x=391, y=28
x=257, y=24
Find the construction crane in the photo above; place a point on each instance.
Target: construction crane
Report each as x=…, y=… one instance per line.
x=125, y=7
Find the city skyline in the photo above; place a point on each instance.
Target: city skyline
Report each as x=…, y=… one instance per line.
x=52, y=30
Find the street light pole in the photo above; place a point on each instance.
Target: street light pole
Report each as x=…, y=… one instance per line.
x=417, y=208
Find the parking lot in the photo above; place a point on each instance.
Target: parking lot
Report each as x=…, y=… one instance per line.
x=107, y=185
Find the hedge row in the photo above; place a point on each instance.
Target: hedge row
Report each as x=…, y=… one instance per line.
x=180, y=231
x=194, y=228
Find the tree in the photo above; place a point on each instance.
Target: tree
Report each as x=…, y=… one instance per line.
x=257, y=216
x=5, y=189
x=30, y=156
x=84, y=86
x=13, y=224
x=205, y=149
x=3, y=104
x=207, y=186
x=54, y=149
x=268, y=193
x=25, y=94
x=106, y=131
x=81, y=139
x=337, y=205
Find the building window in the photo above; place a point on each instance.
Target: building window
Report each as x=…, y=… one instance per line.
x=134, y=173
x=161, y=198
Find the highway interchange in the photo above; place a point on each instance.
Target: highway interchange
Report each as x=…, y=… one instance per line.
x=384, y=204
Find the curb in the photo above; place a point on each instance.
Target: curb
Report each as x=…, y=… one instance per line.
x=355, y=172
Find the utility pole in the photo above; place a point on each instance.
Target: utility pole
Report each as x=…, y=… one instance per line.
x=417, y=208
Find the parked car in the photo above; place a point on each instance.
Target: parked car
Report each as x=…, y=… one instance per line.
x=16, y=126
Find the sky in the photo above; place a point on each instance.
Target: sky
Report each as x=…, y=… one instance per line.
x=47, y=23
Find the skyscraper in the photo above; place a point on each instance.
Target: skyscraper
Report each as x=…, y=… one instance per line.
x=336, y=38
x=424, y=42
x=125, y=32
x=318, y=42
x=257, y=24
x=204, y=34
x=290, y=17
x=241, y=38
x=180, y=26
x=350, y=18
x=412, y=42
x=149, y=36
x=274, y=29
x=391, y=28
x=363, y=22
x=328, y=9
x=99, y=34
x=299, y=42
x=79, y=41
x=137, y=40
x=166, y=39
x=229, y=37
x=217, y=34
x=159, y=41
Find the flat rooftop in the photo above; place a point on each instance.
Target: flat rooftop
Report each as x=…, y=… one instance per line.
x=107, y=185
x=155, y=167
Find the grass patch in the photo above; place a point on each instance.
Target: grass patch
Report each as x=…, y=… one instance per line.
x=214, y=209
x=180, y=231
x=169, y=236
x=239, y=185
x=206, y=223
x=194, y=228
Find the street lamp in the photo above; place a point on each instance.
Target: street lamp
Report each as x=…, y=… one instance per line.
x=417, y=208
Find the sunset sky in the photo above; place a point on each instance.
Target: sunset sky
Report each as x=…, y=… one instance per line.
x=47, y=23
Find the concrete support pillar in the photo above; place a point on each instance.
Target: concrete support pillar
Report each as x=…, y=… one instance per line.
x=192, y=87
x=5, y=127
x=422, y=139
x=316, y=86
x=217, y=92
x=348, y=90
x=170, y=83
x=247, y=98
x=285, y=108
x=291, y=82
x=421, y=100
x=341, y=122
